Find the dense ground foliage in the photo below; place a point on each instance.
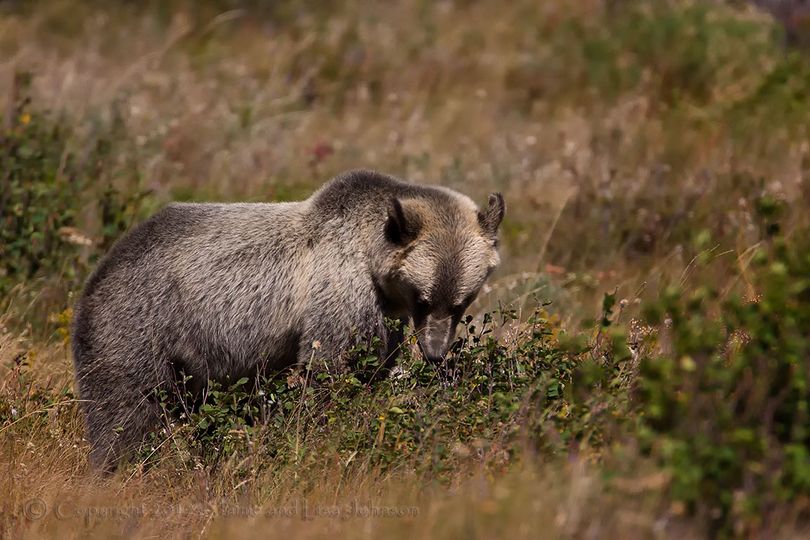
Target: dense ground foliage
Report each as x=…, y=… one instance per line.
x=638, y=367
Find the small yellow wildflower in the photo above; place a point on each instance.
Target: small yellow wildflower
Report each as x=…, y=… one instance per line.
x=25, y=119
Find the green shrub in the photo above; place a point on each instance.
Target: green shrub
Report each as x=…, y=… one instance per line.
x=487, y=401
x=46, y=175
x=40, y=186
x=726, y=406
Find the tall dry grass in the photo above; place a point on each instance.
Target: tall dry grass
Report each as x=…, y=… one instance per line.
x=621, y=169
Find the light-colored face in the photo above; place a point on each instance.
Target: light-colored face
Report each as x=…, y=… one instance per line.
x=442, y=269
x=445, y=278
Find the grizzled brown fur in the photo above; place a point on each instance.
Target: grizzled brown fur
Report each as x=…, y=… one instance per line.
x=225, y=290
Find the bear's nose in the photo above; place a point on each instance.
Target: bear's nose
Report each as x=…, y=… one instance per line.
x=432, y=354
x=436, y=340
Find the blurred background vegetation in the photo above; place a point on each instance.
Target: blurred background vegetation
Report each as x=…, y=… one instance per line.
x=650, y=339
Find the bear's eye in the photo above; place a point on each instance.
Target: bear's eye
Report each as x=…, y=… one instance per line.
x=422, y=303
x=460, y=308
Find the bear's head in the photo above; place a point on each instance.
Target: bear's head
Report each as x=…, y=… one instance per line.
x=439, y=253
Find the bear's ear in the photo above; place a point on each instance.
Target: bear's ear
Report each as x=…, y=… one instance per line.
x=490, y=219
x=400, y=227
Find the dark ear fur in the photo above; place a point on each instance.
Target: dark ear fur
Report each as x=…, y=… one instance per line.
x=399, y=228
x=490, y=219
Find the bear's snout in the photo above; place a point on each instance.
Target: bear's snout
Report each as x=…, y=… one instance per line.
x=435, y=338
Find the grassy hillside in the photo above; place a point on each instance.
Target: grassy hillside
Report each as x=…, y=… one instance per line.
x=638, y=367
